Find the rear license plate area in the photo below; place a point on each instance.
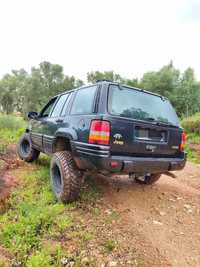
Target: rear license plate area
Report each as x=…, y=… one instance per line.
x=148, y=134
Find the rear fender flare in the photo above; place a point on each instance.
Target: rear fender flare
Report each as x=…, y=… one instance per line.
x=66, y=133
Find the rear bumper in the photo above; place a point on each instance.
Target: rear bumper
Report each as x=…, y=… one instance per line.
x=92, y=157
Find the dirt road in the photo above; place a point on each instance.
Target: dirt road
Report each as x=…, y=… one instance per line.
x=166, y=216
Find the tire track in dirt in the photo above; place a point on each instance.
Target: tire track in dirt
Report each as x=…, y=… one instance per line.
x=8, y=161
x=165, y=216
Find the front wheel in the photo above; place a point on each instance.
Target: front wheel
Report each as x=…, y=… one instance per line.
x=25, y=150
x=66, y=179
x=148, y=179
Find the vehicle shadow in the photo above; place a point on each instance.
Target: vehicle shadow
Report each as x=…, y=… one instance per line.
x=121, y=189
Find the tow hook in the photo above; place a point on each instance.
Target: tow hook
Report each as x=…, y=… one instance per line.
x=132, y=176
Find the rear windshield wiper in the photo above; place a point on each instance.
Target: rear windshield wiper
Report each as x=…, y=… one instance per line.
x=161, y=123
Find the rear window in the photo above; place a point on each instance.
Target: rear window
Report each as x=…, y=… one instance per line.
x=131, y=103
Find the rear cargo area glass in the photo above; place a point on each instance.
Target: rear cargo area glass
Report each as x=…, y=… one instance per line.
x=139, y=105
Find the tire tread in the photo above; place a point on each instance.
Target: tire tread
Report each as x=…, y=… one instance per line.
x=71, y=176
x=33, y=155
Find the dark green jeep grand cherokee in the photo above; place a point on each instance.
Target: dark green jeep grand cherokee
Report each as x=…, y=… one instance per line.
x=107, y=128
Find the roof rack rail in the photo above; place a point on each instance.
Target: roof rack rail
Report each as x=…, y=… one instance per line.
x=103, y=80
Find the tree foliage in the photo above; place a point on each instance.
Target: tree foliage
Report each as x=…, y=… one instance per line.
x=22, y=91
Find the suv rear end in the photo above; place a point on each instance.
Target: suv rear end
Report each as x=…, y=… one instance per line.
x=134, y=132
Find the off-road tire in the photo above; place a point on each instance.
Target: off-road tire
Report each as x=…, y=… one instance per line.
x=25, y=150
x=66, y=179
x=151, y=179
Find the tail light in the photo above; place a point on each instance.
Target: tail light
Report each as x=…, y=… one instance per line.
x=99, y=132
x=183, y=141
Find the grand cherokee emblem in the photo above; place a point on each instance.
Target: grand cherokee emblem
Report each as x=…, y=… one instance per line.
x=118, y=139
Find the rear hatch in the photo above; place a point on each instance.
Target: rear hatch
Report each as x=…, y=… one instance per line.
x=142, y=124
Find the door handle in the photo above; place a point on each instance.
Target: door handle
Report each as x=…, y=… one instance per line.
x=59, y=120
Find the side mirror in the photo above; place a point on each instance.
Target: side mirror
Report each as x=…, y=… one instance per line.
x=32, y=115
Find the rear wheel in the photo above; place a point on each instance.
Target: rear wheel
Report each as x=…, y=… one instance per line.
x=66, y=179
x=148, y=179
x=25, y=150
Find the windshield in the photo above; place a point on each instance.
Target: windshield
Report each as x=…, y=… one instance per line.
x=131, y=103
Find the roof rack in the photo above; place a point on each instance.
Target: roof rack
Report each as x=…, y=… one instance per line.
x=104, y=80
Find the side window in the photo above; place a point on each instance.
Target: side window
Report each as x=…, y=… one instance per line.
x=84, y=99
x=47, y=109
x=59, y=105
x=66, y=105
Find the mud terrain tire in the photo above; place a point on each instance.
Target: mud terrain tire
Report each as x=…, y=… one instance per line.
x=65, y=177
x=151, y=179
x=25, y=150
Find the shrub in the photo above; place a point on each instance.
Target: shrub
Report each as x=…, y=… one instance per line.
x=41, y=259
x=11, y=122
x=11, y=128
x=192, y=124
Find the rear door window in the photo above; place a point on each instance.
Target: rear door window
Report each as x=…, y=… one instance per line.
x=66, y=105
x=84, y=101
x=59, y=106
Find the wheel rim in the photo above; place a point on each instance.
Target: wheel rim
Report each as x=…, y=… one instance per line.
x=56, y=179
x=25, y=147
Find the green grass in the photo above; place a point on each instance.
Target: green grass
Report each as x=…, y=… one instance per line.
x=192, y=124
x=191, y=154
x=35, y=216
x=192, y=127
x=110, y=245
x=11, y=128
x=193, y=138
x=11, y=122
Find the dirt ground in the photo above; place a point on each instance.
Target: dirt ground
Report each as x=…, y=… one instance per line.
x=165, y=216
x=7, y=181
x=162, y=220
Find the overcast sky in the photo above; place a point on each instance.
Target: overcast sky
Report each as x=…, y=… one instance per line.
x=127, y=36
